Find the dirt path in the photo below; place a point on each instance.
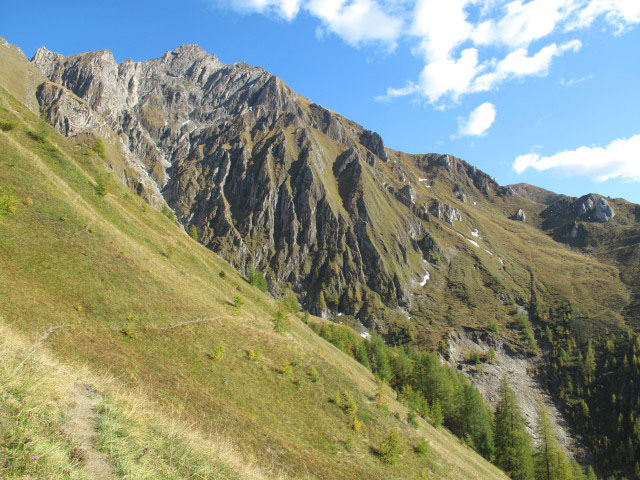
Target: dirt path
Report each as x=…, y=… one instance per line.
x=82, y=430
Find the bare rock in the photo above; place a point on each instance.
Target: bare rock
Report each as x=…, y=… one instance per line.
x=521, y=216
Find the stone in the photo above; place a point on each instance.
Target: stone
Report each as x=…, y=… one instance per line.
x=521, y=216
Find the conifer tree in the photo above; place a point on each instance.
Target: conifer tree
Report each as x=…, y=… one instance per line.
x=550, y=460
x=512, y=443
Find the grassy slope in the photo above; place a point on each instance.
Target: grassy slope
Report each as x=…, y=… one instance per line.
x=103, y=266
x=464, y=291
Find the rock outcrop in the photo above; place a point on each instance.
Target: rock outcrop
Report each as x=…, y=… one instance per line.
x=520, y=216
x=446, y=212
x=588, y=208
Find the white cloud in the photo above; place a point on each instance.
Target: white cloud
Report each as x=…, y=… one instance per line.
x=519, y=64
x=409, y=89
x=478, y=122
x=621, y=14
x=287, y=9
x=357, y=21
x=448, y=76
x=467, y=45
x=619, y=159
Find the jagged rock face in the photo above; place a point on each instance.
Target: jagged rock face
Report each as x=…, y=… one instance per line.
x=459, y=194
x=589, y=208
x=521, y=216
x=592, y=208
x=270, y=180
x=446, y=212
x=407, y=195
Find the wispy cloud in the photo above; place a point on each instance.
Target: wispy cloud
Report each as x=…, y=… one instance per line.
x=619, y=159
x=574, y=81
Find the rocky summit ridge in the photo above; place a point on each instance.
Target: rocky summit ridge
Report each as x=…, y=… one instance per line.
x=276, y=183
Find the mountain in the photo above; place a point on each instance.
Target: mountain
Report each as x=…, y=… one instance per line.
x=426, y=250
x=128, y=350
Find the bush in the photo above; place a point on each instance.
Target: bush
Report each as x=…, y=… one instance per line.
x=305, y=318
x=422, y=449
x=314, y=376
x=167, y=212
x=356, y=425
x=218, y=352
x=98, y=148
x=7, y=126
x=193, y=232
x=100, y=187
x=39, y=135
x=238, y=301
x=286, y=369
x=254, y=354
x=281, y=324
x=389, y=450
x=257, y=280
x=221, y=274
x=8, y=202
x=412, y=419
x=347, y=403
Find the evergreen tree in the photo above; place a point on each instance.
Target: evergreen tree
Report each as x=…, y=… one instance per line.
x=512, y=443
x=361, y=355
x=550, y=461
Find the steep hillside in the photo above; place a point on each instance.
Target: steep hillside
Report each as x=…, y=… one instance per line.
x=413, y=244
x=416, y=247
x=141, y=354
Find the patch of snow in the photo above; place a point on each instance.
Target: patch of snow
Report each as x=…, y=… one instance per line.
x=474, y=203
x=180, y=127
x=424, y=279
x=251, y=109
x=490, y=253
x=423, y=179
x=501, y=261
x=473, y=242
x=475, y=233
x=340, y=314
x=366, y=335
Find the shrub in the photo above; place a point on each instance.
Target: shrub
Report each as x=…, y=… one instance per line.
x=257, y=280
x=39, y=135
x=422, y=449
x=314, y=376
x=7, y=126
x=389, y=450
x=100, y=187
x=254, y=354
x=238, y=301
x=221, y=274
x=193, y=232
x=305, y=318
x=218, y=352
x=347, y=403
x=167, y=212
x=280, y=323
x=8, y=202
x=412, y=418
x=286, y=369
x=98, y=148
x=356, y=425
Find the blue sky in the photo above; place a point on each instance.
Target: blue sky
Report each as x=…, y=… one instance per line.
x=539, y=91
